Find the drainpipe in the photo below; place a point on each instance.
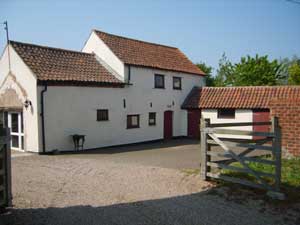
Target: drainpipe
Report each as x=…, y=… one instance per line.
x=129, y=75
x=42, y=117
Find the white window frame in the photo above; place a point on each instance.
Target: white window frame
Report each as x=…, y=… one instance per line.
x=19, y=134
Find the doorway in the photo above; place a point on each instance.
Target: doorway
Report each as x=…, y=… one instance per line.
x=168, y=124
x=193, y=123
x=261, y=115
x=16, y=125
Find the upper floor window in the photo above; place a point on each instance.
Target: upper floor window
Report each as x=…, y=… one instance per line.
x=226, y=113
x=177, y=83
x=133, y=121
x=159, y=81
x=102, y=114
x=152, y=118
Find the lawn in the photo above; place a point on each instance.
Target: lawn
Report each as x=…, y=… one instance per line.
x=290, y=175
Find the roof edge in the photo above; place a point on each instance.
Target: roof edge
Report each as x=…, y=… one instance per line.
x=48, y=47
x=132, y=39
x=172, y=70
x=80, y=83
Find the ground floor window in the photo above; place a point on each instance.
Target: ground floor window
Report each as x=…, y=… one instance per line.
x=152, y=119
x=133, y=121
x=102, y=114
x=15, y=123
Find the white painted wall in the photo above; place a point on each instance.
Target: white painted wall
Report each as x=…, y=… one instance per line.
x=95, y=45
x=4, y=69
x=70, y=110
x=241, y=115
x=27, y=80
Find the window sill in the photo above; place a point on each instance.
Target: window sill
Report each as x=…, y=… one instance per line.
x=132, y=127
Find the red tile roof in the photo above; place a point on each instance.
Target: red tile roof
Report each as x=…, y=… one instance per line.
x=141, y=53
x=54, y=64
x=238, y=97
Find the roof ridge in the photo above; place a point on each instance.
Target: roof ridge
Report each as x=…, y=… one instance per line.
x=132, y=39
x=52, y=48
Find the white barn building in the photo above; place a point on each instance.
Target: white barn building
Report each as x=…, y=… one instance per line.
x=116, y=91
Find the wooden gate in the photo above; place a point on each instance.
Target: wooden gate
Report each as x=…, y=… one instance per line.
x=5, y=168
x=218, y=153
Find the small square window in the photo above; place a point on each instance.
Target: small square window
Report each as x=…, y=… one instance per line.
x=159, y=81
x=133, y=121
x=226, y=113
x=177, y=83
x=102, y=114
x=152, y=119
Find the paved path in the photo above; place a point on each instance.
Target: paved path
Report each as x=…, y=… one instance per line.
x=136, y=185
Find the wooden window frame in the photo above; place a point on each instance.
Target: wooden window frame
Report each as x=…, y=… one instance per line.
x=101, y=117
x=155, y=83
x=220, y=116
x=149, y=118
x=129, y=125
x=180, y=81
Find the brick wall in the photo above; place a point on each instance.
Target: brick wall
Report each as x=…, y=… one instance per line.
x=288, y=112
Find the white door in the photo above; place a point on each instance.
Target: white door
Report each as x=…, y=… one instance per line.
x=15, y=123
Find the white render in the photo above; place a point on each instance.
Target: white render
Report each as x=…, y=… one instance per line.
x=24, y=82
x=72, y=109
x=241, y=115
x=95, y=45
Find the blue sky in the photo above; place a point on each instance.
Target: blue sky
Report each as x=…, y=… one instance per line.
x=202, y=29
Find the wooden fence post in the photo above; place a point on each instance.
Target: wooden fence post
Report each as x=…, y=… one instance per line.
x=204, y=147
x=8, y=168
x=277, y=151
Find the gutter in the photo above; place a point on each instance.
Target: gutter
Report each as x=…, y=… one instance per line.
x=43, y=118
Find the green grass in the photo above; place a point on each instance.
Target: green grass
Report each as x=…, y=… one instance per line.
x=290, y=171
x=290, y=175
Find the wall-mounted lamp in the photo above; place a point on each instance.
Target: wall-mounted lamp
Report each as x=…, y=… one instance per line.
x=27, y=103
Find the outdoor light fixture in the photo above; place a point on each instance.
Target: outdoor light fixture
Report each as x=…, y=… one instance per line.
x=27, y=103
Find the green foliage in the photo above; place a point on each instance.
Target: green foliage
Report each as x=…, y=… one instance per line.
x=290, y=175
x=210, y=81
x=294, y=74
x=255, y=71
x=250, y=71
x=224, y=73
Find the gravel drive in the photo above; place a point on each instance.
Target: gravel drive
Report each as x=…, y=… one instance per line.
x=117, y=189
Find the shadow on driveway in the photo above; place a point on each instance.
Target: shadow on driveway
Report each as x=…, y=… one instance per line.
x=200, y=208
x=181, y=153
x=159, y=144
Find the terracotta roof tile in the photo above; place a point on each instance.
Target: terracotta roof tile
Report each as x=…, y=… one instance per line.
x=54, y=64
x=141, y=53
x=238, y=97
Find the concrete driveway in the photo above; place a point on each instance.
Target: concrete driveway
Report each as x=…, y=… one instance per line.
x=177, y=153
x=140, y=184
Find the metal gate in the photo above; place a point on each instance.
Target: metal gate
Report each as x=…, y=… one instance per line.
x=269, y=142
x=5, y=168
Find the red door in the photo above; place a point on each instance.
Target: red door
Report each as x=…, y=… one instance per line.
x=168, y=124
x=261, y=115
x=193, y=123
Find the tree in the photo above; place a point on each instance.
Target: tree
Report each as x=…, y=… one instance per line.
x=256, y=71
x=294, y=74
x=224, y=73
x=210, y=81
x=250, y=71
